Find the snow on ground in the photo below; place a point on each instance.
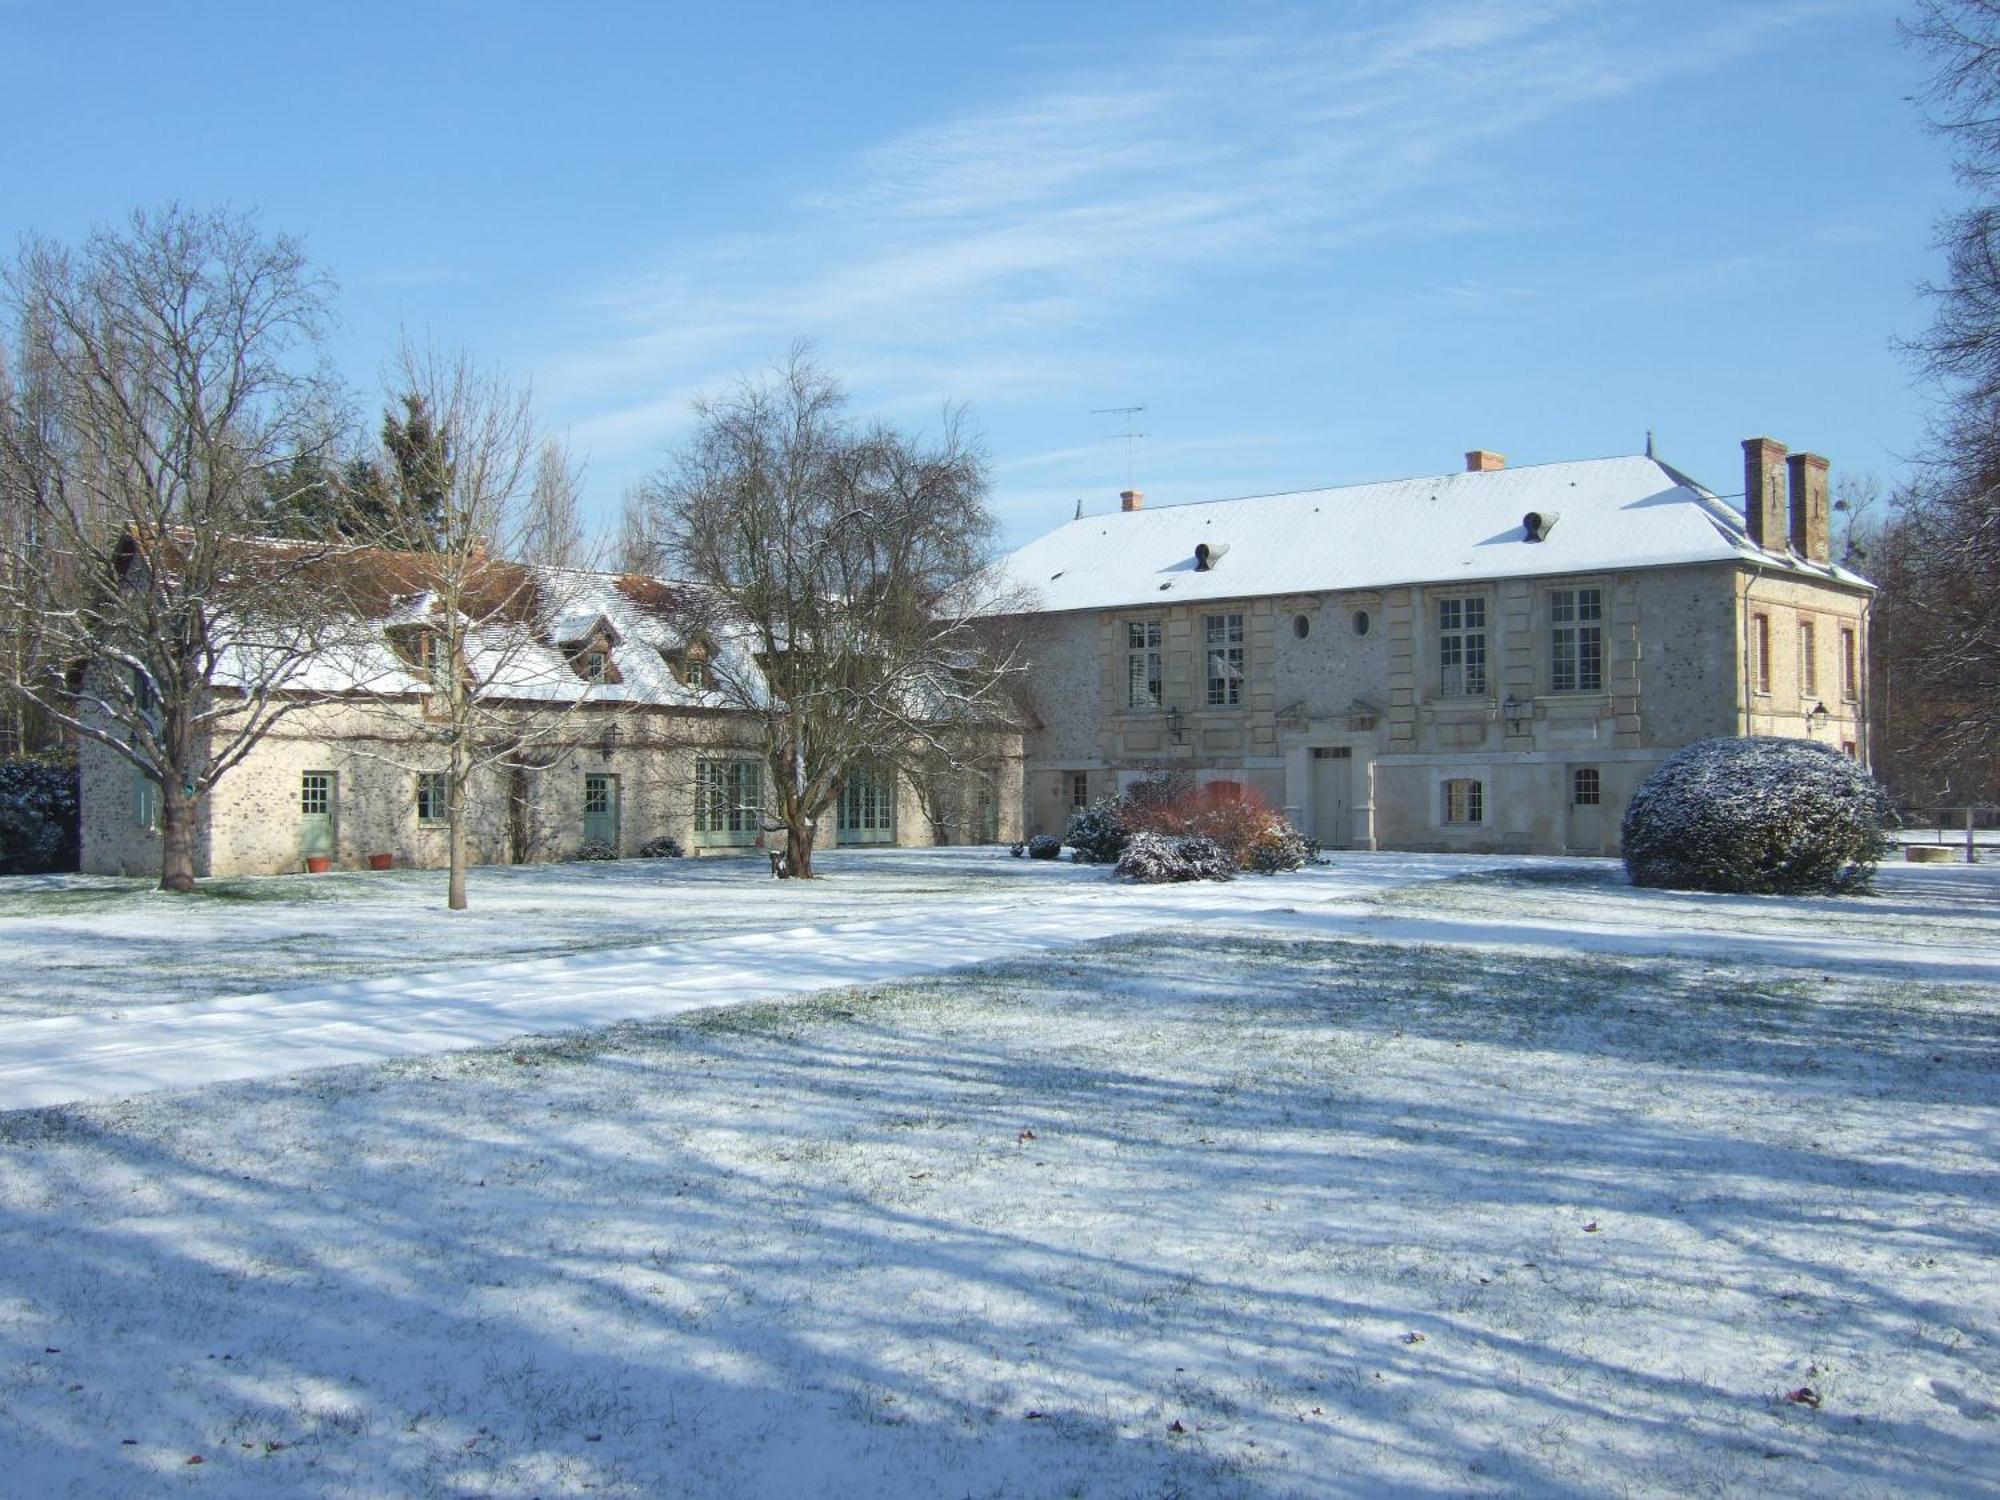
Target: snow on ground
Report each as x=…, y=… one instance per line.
x=1415, y=1175
x=78, y=942
x=1198, y=1213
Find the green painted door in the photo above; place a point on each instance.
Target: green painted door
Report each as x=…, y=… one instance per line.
x=600, y=810
x=316, y=830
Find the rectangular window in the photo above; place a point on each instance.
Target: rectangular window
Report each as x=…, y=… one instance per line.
x=697, y=671
x=1850, y=666
x=596, y=666
x=867, y=813
x=1142, y=663
x=1808, y=662
x=1576, y=640
x=145, y=801
x=1847, y=748
x=433, y=797
x=1586, y=787
x=1464, y=801
x=596, y=796
x=1079, y=789
x=1462, y=647
x=316, y=794
x=1224, y=634
x=1760, y=647
x=728, y=800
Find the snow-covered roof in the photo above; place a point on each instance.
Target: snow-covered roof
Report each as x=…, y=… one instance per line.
x=1613, y=513
x=522, y=646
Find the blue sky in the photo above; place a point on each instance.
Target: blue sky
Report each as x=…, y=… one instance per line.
x=1320, y=243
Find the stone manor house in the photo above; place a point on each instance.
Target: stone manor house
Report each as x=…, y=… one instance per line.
x=1489, y=660
x=1482, y=660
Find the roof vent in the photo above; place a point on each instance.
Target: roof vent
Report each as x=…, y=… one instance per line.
x=1208, y=554
x=1539, y=523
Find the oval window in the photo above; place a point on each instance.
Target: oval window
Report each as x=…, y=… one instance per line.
x=1361, y=622
x=1301, y=626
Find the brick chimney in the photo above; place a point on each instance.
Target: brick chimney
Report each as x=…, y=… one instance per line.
x=1484, y=461
x=1764, y=492
x=1811, y=535
x=1131, y=499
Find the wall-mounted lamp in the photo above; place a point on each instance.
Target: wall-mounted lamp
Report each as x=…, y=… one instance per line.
x=609, y=743
x=1174, y=724
x=1816, y=717
x=1516, y=711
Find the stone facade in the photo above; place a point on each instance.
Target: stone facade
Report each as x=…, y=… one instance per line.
x=1357, y=714
x=643, y=763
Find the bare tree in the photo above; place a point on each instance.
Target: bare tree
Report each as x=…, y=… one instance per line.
x=1938, y=602
x=552, y=534
x=637, y=547
x=468, y=489
x=172, y=374
x=844, y=564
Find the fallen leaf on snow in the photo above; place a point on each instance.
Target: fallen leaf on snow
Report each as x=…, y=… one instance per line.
x=1413, y=1337
x=1591, y=1227
x=1175, y=1426
x=1805, y=1395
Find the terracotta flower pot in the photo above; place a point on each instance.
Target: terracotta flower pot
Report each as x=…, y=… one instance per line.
x=381, y=861
x=318, y=864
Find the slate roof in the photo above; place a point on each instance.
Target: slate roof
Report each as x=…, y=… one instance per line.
x=1614, y=513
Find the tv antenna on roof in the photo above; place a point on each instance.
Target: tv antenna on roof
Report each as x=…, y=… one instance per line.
x=1128, y=413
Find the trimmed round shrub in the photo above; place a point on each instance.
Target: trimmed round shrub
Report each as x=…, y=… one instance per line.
x=1156, y=858
x=1044, y=846
x=664, y=847
x=596, y=851
x=1777, y=816
x=1278, y=847
x=1098, y=833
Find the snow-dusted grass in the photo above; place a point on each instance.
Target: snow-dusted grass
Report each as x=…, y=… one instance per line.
x=80, y=942
x=1206, y=1214
x=1913, y=905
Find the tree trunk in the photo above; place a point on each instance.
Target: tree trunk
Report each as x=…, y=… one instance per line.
x=799, y=847
x=176, y=838
x=455, y=836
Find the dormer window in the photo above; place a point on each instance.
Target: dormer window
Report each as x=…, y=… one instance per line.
x=690, y=666
x=596, y=666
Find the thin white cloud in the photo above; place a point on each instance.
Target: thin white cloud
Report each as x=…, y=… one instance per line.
x=978, y=257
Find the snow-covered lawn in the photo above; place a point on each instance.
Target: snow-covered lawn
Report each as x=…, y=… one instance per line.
x=77, y=942
x=1211, y=1211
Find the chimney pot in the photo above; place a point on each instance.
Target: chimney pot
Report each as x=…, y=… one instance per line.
x=1484, y=461
x=1131, y=499
x=1764, y=492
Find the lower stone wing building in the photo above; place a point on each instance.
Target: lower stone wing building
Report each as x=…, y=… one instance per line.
x=1486, y=660
x=625, y=741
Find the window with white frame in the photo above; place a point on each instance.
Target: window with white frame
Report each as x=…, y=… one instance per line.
x=1224, y=637
x=1576, y=640
x=1142, y=663
x=1079, y=789
x=145, y=801
x=1850, y=665
x=596, y=666
x=1464, y=800
x=1808, y=661
x=433, y=797
x=1586, y=787
x=1462, y=646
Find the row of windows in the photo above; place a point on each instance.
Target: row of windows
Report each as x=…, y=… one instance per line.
x=1850, y=659
x=1576, y=650
x=1464, y=797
